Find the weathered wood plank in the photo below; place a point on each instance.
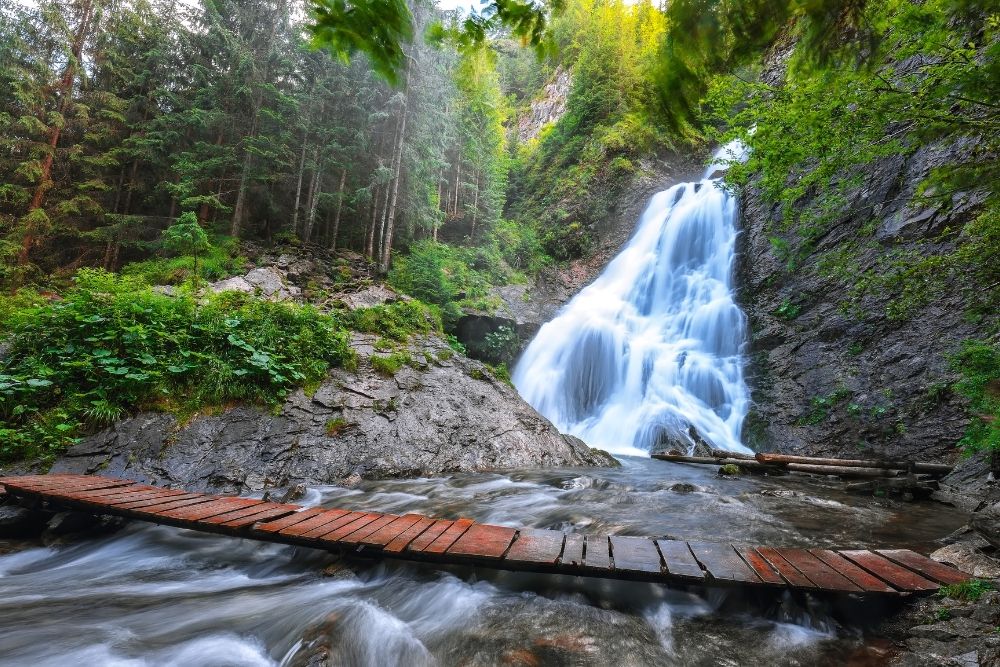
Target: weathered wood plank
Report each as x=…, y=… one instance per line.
x=340, y=532
x=404, y=539
x=572, y=554
x=250, y=515
x=153, y=507
x=100, y=495
x=313, y=522
x=358, y=535
x=117, y=496
x=789, y=572
x=449, y=536
x=635, y=554
x=198, y=512
x=722, y=562
x=679, y=559
x=924, y=566
x=538, y=546
x=817, y=571
x=883, y=568
x=430, y=534
x=325, y=527
x=597, y=553
x=387, y=534
x=759, y=565
x=269, y=526
x=859, y=576
x=483, y=541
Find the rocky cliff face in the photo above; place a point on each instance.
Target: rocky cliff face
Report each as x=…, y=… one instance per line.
x=547, y=107
x=825, y=382
x=443, y=413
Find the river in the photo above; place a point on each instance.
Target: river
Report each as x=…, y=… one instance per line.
x=155, y=595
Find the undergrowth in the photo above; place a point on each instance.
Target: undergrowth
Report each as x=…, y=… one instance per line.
x=110, y=345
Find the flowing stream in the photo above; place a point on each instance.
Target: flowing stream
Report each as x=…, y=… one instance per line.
x=154, y=595
x=648, y=356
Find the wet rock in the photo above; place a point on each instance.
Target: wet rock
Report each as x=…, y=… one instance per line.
x=951, y=630
x=269, y=282
x=16, y=521
x=986, y=522
x=968, y=555
x=883, y=383
x=456, y=417
x=683, y=487
x=64, y=523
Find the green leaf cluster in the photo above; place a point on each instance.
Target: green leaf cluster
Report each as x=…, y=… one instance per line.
x=978, y=363
x=110, y=345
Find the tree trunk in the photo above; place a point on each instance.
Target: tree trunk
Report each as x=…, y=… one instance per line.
x=390, y=225
x=203, y=209
x=475, y=210
x=298, y=187
x=66, y=88
x=340, y=205
x=314, y=192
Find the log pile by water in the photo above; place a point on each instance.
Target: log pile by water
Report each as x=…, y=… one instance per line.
x=903, y=476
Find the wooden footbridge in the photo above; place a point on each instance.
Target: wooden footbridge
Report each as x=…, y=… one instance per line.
x=463, y=541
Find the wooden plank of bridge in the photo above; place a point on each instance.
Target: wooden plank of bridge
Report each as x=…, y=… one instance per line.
x=338, y=533
x=597, y=555
x=448, y=537
x=888, y=571
x=321, y=518
x=483, y=541
x=679, y=560
x=572, y=554
x=429, y=534
x=388, y=533
x=635, y=554
x=154, y=507
x=929, y=569
x=760, y=566
x=363, y=532
x=788, y=572
x=860, y=577
x=818, y=572
x=288, y=521
x=538, y=546
x=408, y=536
x=205, y=510
x=883, y=568
x=723, y=563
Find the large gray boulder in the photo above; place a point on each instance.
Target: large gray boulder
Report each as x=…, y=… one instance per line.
x=441, y=414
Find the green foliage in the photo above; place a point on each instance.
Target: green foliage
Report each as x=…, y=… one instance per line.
x=820, y=407
x=968, y=591
x=336, y=426
x=390, y=365
x=221, y=260
x=111, y=345
x=788, y=310
x=186, y=237
x=377, y=28
x=397, y=321
x=978, y=363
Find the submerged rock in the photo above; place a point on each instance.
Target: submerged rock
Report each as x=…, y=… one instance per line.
x=20, y=522
x=442, y=413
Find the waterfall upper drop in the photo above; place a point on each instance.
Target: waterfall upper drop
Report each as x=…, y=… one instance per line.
x=653, y=347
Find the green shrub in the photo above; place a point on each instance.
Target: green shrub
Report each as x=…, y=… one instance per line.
x=390, y=364
x=566, y=242
x=398, y=320
x=979, y=364
x=221, y=260
x=969, y=591
x=111, y=345
x=788, y=310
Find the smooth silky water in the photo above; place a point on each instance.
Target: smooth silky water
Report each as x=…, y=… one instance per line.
x=649, y=350
x=154, y=595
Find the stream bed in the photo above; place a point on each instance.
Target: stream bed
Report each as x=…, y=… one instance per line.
x=155, y=595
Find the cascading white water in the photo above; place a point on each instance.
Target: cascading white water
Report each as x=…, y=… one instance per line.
x=653, y=347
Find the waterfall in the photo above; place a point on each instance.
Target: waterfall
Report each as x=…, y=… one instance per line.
x=649, y=355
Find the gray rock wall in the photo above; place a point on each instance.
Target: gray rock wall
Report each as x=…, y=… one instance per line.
x=834, y=384
x=443, y=414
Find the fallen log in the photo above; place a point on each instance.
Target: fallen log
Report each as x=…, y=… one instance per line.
x=749, y=464
x=842, y=471
x=787, y=459
x=723, y=454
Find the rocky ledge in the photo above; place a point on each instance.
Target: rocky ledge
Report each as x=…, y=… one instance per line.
x=440, y=413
